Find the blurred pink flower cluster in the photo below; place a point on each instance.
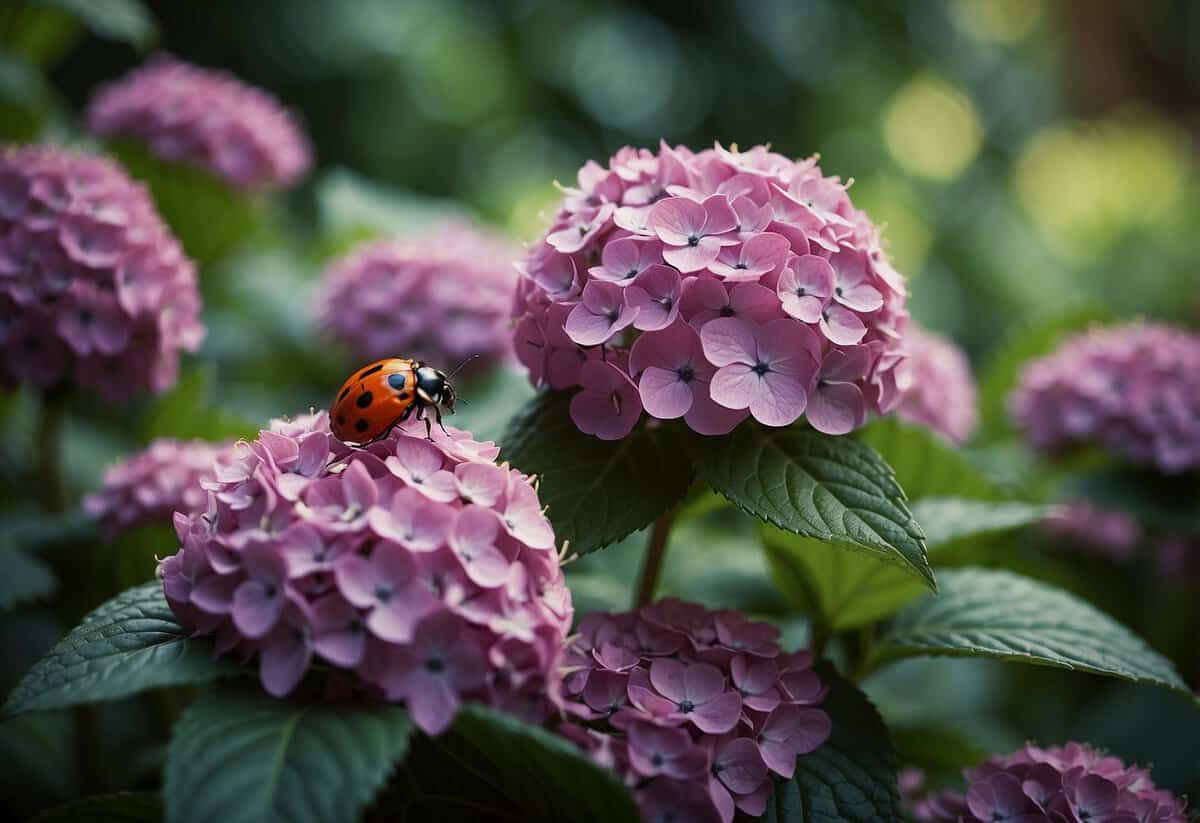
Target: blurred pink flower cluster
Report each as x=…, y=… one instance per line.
x=93, y=286
x=151, y=485
x=1133, y=390
x=208, y=118
x=938, y=387
x=695, y=709
x=711, y=286
x=440, y=298
x=1068, y=783
x=422, y=566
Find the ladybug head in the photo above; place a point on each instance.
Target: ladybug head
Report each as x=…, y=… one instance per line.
x=434, y=389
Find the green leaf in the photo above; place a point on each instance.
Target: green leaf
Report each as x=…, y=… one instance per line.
x=126, y=21
x=839, y=589
x=130, y=644
x=26, y=577
x=836, y=489
x=211, y=218
x=190, y=410
x=844, y=590
x=1000, y=372
x=241, y=755
x=925, y=465
x=935, y=749
x=122, y=807
x=997, y=614
x=597, y=491
x=544, y=776
x=850, y=779
x=952, y=519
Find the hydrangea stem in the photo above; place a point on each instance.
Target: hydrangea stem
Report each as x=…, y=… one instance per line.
x=656, y=550
x=48, y=453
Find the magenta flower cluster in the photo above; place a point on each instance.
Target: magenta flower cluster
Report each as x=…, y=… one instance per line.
x=1069, y=783
x=443, y=297
x=1133, y=390
x=695, y=709
x=711, y=286
x=151, y=485
x=421, y=566
x=207, y=118
x=93, y=286
x=939, y=391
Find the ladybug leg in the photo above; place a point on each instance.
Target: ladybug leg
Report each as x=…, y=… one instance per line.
x=437, y=412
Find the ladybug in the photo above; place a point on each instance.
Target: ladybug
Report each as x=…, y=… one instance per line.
x=387, y=392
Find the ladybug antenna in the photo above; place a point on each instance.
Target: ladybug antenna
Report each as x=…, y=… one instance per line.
x=459, y=367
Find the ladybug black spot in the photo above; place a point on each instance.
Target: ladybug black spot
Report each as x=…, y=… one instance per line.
x=361, y=425
x=364, y=400
x=341, y=419
x=397, y=381
x=368, y=372
x=345, y=392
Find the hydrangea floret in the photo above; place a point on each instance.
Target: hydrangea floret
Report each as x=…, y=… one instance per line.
x=441, y=297
x=695, y=709
x=93, y=286
x=206, y=118
x=421, y=566
x=711, y=286
x=1133, y=390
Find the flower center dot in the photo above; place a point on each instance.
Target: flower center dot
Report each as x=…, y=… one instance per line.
x=694, y=240
x=435, y=665
x=760, y=369
x=686, y=373
x=687, y=706
x=656, y=759
x=727, y=311
x=383, y=592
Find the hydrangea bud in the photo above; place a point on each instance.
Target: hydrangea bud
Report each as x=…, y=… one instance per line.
x=939, y=390
x=1133, y=390
x=420, y=566
x=207, y=118
x=1071, y=782
x=711, y=286
x=153, y=484
x=442, y=297
x=93, y=286
x=695, y=709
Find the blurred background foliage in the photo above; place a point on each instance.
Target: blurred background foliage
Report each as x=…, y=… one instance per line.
x=1031, y=160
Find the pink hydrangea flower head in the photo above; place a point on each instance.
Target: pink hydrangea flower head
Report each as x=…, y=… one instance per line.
x=151, y=485
x=1071, y=782
x=1133, y=390
x=754, y=252
x=1106, y=532
x=93, y=286
x=442, y=297
x=692, y=707
x=940, y=391
x=207, y=118
x=308, y=550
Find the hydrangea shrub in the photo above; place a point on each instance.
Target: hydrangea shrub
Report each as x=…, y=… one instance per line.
x=938, y=388
x=1073, y=782
x=420, y=566
x=149, y=486
x=1133, y=390
x=94, y=289
x=441, y=297
x=696, y=709
x=711, y=286
x=205, y=118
